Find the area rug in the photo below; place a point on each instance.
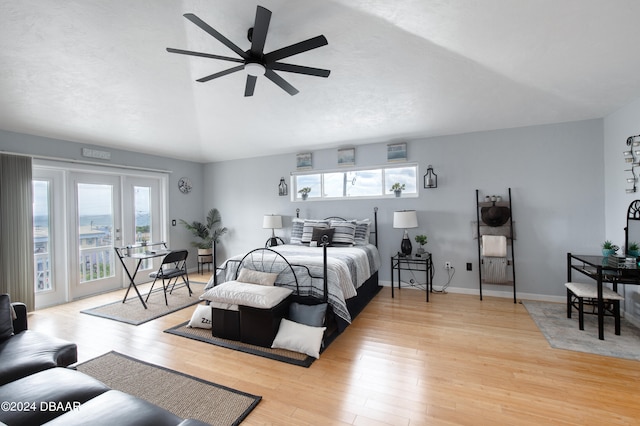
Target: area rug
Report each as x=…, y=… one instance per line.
x=563, y=333
x=204, y=335
x=132, y=311
x=185, y=396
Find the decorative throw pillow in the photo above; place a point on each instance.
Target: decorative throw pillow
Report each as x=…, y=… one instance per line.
x=6, y=320
x=296, y=231
x=362, y=232
x=257, y=277
x=309, y=225
x=247, y=294
x=201, y=317
x=299, y=338
x=311, y=315
x=345, y=232
x=318, y=233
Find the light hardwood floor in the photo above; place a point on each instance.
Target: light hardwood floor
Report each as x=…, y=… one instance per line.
x=453, y=361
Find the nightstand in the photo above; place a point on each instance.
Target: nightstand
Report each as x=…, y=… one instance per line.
x=412, y=263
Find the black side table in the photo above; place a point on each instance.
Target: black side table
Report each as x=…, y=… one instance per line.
x=412, y=263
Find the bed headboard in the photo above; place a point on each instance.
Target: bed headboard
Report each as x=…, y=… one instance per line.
x=374, y=231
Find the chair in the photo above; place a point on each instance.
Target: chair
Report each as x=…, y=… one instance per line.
x=174, y=266
x=581, y=294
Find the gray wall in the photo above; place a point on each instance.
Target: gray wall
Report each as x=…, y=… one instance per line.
x=617, y=128
x=181, y=206
x=554, y=171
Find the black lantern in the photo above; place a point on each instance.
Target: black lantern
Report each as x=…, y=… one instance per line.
x=430, y=179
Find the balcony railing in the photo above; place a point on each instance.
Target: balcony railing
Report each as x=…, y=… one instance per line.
x=96, y=263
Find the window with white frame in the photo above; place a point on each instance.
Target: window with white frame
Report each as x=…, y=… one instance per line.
x=369, y=182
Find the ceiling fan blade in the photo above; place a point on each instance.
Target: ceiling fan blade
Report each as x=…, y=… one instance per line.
x=295, y=49
x=260, y=28
x=318, y=72
x=251, y=85
x=204, y=55
x=280, y=82
x=220, y=74
x=222, y=39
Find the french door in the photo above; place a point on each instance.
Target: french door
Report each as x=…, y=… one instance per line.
x=79, y=217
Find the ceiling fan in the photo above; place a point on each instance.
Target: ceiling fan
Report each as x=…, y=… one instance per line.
x=254, y=60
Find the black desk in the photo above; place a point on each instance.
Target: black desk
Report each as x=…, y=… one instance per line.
x=599, y=269
x=139, y=252
x=411, y=263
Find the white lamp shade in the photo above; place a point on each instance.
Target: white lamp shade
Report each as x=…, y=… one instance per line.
x=405, y=219
x=272, y=221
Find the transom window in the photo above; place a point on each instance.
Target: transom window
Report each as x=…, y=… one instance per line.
x=370, y=182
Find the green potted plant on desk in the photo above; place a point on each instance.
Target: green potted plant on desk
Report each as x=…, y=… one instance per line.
x=634, y=249
x=422, y=240
x=609, y=249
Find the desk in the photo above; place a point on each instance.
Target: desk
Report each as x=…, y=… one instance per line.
x=411, y=263
x=598, y=268
x=135, y=251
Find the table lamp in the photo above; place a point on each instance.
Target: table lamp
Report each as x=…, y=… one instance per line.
x=405, y=219
x=273, y=222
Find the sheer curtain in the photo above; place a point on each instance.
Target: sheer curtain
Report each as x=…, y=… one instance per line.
x=16, y=229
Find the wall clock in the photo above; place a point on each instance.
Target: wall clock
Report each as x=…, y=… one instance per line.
x=184, y=185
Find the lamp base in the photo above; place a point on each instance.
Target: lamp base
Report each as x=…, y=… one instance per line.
x=405, y=246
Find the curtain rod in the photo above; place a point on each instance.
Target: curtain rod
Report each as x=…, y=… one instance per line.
x=90, y=163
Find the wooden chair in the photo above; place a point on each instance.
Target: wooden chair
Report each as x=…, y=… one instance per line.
x=174, y=266
x=580, y=295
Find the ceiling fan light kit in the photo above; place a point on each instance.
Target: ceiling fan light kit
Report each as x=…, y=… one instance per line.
x=254, y=60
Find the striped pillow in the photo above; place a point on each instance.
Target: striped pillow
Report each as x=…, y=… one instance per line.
x=307, y=230
x=296, y=231
x=362, y=231
x=345, y=232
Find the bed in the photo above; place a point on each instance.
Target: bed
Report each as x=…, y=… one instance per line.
x=331, y=260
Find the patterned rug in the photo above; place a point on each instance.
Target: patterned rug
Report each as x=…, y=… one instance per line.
x=563, y=333
x=185, y=396
x=132, y=311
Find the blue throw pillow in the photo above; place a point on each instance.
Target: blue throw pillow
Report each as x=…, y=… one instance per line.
x=311, y=315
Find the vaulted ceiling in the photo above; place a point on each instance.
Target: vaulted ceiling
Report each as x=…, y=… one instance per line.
x=97, y=72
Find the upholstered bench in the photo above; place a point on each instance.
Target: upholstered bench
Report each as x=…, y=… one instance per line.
x=260, y=308
x=581, y=294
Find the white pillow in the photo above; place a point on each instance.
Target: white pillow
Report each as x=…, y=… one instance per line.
x=247, y=294
x=299, y=338
x=257, y=277
x=201, y=317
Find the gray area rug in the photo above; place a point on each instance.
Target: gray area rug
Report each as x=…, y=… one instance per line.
x=132, y=311
x=183, y=395
x=563, y=333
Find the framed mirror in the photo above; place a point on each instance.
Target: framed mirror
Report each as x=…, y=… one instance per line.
x=632, y=230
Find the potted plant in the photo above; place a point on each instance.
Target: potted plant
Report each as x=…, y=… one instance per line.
x=609, y=249
x=305, y=192
x=207, y=233
x=422, y=240
x=634, y=249
x=397, y=188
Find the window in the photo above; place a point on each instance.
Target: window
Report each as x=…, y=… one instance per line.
x=373, y=182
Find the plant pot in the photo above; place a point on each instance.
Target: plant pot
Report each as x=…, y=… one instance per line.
x=398, y=193
x=608, y=252
x=204, y=252
x=305, y=196
x=634, y=253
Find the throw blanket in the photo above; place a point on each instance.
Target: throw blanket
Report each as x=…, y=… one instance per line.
x=347, y=269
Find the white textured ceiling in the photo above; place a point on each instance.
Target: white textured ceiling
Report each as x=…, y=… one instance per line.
x=97, y=72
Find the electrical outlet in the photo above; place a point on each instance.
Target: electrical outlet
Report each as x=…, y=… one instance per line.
x=447, y=265
x=469, y=267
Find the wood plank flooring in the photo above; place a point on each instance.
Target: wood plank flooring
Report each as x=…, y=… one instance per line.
x=453, y=361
